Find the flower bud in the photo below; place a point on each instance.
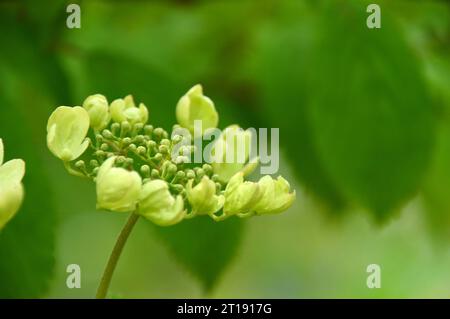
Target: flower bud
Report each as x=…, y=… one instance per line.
x=98, y=109
x=117, y=188
x=67, y=128
x=125, y=110
x=11, y=189
x=276, y=197
x=158, y=205
x=231, y=152
x=203, y=198
x=240, y=196
x=195, y=106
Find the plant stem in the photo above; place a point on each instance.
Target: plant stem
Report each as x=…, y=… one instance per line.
x=115, y=255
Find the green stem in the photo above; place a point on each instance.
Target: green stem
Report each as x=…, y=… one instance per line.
x=115, y=255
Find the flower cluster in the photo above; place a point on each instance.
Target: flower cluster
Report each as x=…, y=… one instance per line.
x=11, y=188
x=137, y=170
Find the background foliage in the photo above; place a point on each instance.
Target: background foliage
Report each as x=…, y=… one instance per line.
x=364, y=128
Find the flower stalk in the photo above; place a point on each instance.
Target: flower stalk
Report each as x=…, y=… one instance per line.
x=115, y=255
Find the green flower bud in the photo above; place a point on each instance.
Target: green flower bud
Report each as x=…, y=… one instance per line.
x=67, y=128
x=80, y=165
x=93, y=163
x=99, y=138
x=163, y=149
x=180, y=175
x=177, y=139
x=240, y=196
x=229, y=156
x=165, y=142
x=145, y=170
x=138, y=127
x=117, y=188
x=126, y=141
x=98, y=109
x=195, y=106
x=158, y=132
x=126, y=110
x=154, y=173
x=125, y=128
x=159, y=206
x=139, y=139
x=148, y=130
x=158, y=157
x=203, y=198
x=115, y=128
x=11, y=189
x=276, y=196
x=190, y=174
x=181, y=160
x=107, y=134
x=141, y=150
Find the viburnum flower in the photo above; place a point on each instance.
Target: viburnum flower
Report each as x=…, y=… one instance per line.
x=67, y=128
x=118, y=189
x=196, y=106
x=203, y=198
x=276, y=196
x=98, y=109
x=142, y=169
x=125, y=110
x=241, y=196
x=159, y=206
x=11, y=188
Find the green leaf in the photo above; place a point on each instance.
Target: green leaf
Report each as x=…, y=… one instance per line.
x=437, y=202
x=27, y=242
x=116, y=76
x=285, y=96
x=371, y=112
x=29, y=77
x=203, y=246
x=359, y=108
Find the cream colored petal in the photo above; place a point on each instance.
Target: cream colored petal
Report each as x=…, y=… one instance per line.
x=116, y=108
x=11, y=198
x=12, y=172
x=105, y=167
x=144, y=113
x=67, y=128
x=169, y=217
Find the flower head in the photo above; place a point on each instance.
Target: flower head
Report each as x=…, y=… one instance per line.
x=117, y=188
x=159, y=206
x=125, y=110
x=203, y=198
x=195, y=106
x=67, y=128
x=11, y=189
x=276, y=196
x=98, y=109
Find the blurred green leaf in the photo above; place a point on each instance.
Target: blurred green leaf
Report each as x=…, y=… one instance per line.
x=436, y=190
x=27, y=243
x=371, y=113
x=358, y=100
x=116, y=76
x=203, y=246
x=285, y=96
x=31, y=80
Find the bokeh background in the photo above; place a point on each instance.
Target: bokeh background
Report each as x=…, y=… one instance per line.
x=364, y=129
